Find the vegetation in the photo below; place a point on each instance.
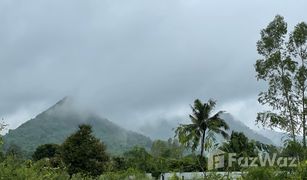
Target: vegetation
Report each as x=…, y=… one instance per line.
x=80, y=154
x=191, y=135
x=139, y=158
x=83, y=153
x=46, y=151
x=2, y=126
x=283, y=67
x=239, y=144
x=169, y=149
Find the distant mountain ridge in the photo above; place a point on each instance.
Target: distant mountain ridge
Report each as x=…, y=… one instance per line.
x=236, y=125
x=62, y=119
x=165, y=129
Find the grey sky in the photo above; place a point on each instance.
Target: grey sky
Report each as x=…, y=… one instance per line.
x=133, y=61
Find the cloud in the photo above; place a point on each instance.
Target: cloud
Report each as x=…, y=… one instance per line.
x=132, y=61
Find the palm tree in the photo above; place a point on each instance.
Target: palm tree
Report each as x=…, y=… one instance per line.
x=191, y=135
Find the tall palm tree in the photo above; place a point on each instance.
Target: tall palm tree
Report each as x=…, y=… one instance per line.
x=191, y=135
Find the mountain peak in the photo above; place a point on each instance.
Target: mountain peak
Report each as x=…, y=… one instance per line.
x=65, y=100
x=62, y=119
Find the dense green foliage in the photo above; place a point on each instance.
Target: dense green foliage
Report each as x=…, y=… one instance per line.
x=82, y=156
x=167, y=149
x=239, y=144
x=139, y=158
x=294, y=149
x=15, y=169
x=83, y=153
x=46, y=151
x=12, y=169
x=242, y=146
x=275, y=173
x=261, y=173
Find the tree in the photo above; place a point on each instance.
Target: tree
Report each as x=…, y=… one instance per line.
x=2, y=127
x=160, y=148
x=297, y=47
x=117, y=163
x=192, y=134
x=167, y=149
x=46, y=151
x=283, y=67
x=293, y=149
x=176, y=148
x=239, y=144
x=139, y=158
x=83, y=153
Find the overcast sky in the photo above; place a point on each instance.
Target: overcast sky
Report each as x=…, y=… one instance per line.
x=134, y=61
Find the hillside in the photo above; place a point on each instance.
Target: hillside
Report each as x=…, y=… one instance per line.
x=58, y=122
x=235, y=125
x=164, y=129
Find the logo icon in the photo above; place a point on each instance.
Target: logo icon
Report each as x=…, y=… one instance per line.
x=216, y=159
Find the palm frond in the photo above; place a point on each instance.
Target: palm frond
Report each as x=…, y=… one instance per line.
x=209, y=107
x=188, y=135
x=221, y=132
x=216, y=120
x=194, y=119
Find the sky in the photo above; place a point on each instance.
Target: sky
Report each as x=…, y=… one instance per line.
x=134, y=62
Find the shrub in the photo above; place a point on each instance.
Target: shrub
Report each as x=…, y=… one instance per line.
x=12, y=168
x=260, y=173
x=301, y=171
x=174, y=177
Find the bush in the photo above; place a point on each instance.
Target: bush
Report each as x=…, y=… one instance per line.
x=271, y=173
x=301, y=171
x=294, y=149
x=12, y=168
x=139, y=158
x=174, y=177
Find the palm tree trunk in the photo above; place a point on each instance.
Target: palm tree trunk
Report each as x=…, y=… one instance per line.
x=202, y=144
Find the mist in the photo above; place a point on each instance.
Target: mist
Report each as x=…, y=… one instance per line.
x=134, y=62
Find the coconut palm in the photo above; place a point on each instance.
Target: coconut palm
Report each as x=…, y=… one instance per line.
x=192, y=134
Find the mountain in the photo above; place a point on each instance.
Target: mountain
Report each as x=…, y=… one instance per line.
x=164, y=129
x=59, y=121
x=235, y=125
x=279, y=138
